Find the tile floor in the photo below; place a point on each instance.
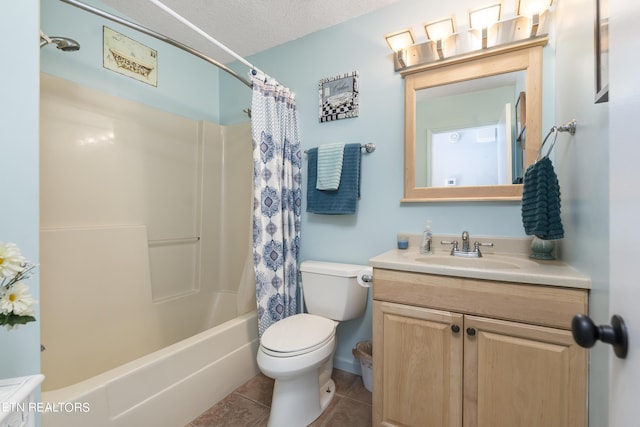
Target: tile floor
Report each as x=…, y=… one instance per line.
x=248, y=405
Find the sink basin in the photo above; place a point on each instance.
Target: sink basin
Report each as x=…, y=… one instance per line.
x=452, y=261
x=491, y=262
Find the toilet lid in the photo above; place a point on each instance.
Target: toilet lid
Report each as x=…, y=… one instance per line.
x=297, y=334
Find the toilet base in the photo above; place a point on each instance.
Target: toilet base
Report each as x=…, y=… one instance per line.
x=327, y=392
x=300, y=401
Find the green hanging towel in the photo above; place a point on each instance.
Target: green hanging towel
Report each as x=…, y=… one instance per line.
x=541, y=201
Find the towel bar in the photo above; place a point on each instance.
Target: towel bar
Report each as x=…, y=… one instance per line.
x=160, y=242
x=368, y=148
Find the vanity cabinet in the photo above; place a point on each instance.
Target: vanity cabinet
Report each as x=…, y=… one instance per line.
x=451, y=351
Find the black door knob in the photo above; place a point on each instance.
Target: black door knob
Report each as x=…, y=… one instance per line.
x=455, y=328
x=471, y=331
x=586, y=333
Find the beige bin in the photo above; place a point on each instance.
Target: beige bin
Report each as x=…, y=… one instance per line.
x=364, y=353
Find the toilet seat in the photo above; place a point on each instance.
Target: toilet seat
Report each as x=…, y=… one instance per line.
x=296, y=335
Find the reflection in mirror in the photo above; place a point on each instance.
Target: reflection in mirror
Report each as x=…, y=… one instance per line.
x=466, y=133
x=470, y=156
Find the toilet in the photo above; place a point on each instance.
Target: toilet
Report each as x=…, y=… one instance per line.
x=298, y=351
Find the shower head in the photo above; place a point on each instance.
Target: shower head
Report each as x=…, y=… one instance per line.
x=63, y=43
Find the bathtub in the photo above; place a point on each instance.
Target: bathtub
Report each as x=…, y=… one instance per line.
x=167, y=388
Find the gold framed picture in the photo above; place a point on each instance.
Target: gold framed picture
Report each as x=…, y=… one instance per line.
x=129, y=57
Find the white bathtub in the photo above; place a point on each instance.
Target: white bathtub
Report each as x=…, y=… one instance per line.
x=167, y=388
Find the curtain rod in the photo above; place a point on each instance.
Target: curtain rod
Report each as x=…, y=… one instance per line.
x=165, y=39
x=254, y=70
x=201, y=32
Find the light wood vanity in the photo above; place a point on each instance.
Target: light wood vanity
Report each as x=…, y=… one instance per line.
x=464, y=351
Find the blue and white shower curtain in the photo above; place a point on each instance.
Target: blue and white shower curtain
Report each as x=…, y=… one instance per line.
x=277, y=200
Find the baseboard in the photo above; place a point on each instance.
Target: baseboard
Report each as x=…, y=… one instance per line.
x=347, y=364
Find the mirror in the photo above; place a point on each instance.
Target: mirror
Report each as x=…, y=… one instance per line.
x=466, y=133
x=466, y=120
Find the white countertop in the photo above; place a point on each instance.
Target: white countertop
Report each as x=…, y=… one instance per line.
x=15, y=393
x=512, y=265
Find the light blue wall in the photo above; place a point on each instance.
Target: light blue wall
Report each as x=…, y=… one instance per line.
x=19, y=220
x=582, y=163
x=187, y=85
x=359, y=45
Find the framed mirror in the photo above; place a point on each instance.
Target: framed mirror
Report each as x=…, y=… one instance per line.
x=466, y=122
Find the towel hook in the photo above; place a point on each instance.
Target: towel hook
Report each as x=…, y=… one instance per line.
x=567, y=127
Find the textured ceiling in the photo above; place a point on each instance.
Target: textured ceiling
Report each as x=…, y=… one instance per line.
x=244, y=26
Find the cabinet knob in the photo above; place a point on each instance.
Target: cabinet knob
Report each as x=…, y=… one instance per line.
x=455, y=328
x=471, y=331
x=586, y=333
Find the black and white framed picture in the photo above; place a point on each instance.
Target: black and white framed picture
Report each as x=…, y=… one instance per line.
x=339, y=97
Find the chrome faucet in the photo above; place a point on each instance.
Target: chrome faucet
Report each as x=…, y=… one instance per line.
x=466, y=249
x=465, y=241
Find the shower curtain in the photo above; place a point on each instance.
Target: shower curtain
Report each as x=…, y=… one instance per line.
x=277, y=199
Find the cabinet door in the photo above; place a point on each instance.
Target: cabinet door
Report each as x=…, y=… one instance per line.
x=522, y=375
x=417, y=368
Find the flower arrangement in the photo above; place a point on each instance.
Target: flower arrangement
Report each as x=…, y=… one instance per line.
x=16, y=303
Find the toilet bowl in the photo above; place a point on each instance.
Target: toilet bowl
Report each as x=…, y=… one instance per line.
x=301, y=392
x=298, y=351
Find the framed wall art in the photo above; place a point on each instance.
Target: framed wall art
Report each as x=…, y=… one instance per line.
x=339, y=97
x=602, y=51
x=129, y=57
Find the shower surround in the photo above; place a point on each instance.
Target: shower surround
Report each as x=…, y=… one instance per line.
x=145, y=230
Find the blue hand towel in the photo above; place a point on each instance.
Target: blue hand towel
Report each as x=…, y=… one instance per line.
x=343, y=200
x=541, y=201
x=329, y=169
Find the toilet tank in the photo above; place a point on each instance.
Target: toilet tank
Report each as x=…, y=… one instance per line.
x=331, y=289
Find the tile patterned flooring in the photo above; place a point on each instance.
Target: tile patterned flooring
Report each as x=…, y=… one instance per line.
x=248, y=405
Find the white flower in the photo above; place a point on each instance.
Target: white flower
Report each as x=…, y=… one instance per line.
x=18, y=300
x=11, y=261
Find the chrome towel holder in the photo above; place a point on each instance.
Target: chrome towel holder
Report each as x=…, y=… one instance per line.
x=368, y=148
x=567, y=127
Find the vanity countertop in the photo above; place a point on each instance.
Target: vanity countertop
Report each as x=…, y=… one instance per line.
x=512, y=264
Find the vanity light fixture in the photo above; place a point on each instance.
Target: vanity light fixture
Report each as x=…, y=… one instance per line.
x=481, y=19
x=487, y=30
x=438, y=31
x=398, y=42
x=533, y=9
